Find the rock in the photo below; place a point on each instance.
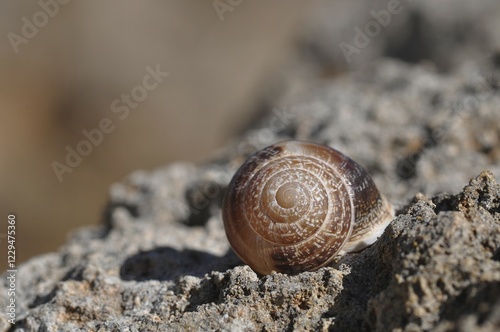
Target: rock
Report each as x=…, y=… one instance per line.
x=449, y=247
x=160, y=259
x=343, y=34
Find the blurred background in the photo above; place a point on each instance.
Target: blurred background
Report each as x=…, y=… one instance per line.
x=67, y=66
x=63, y=79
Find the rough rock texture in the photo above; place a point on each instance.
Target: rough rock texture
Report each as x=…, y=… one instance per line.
x=161, y=262
x=341, y=35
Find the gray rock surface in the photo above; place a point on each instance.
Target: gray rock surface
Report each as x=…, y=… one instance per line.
x=426, y=132
x=446, y=33
x=161, y=262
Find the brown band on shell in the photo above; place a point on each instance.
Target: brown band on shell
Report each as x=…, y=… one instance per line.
x=295, y=205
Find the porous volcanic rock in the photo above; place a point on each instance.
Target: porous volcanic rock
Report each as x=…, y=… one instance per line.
x=160, y=260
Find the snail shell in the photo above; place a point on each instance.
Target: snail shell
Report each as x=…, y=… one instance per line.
x=294, y=206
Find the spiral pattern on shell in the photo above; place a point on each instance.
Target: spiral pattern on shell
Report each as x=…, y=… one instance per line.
x=294, y=206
